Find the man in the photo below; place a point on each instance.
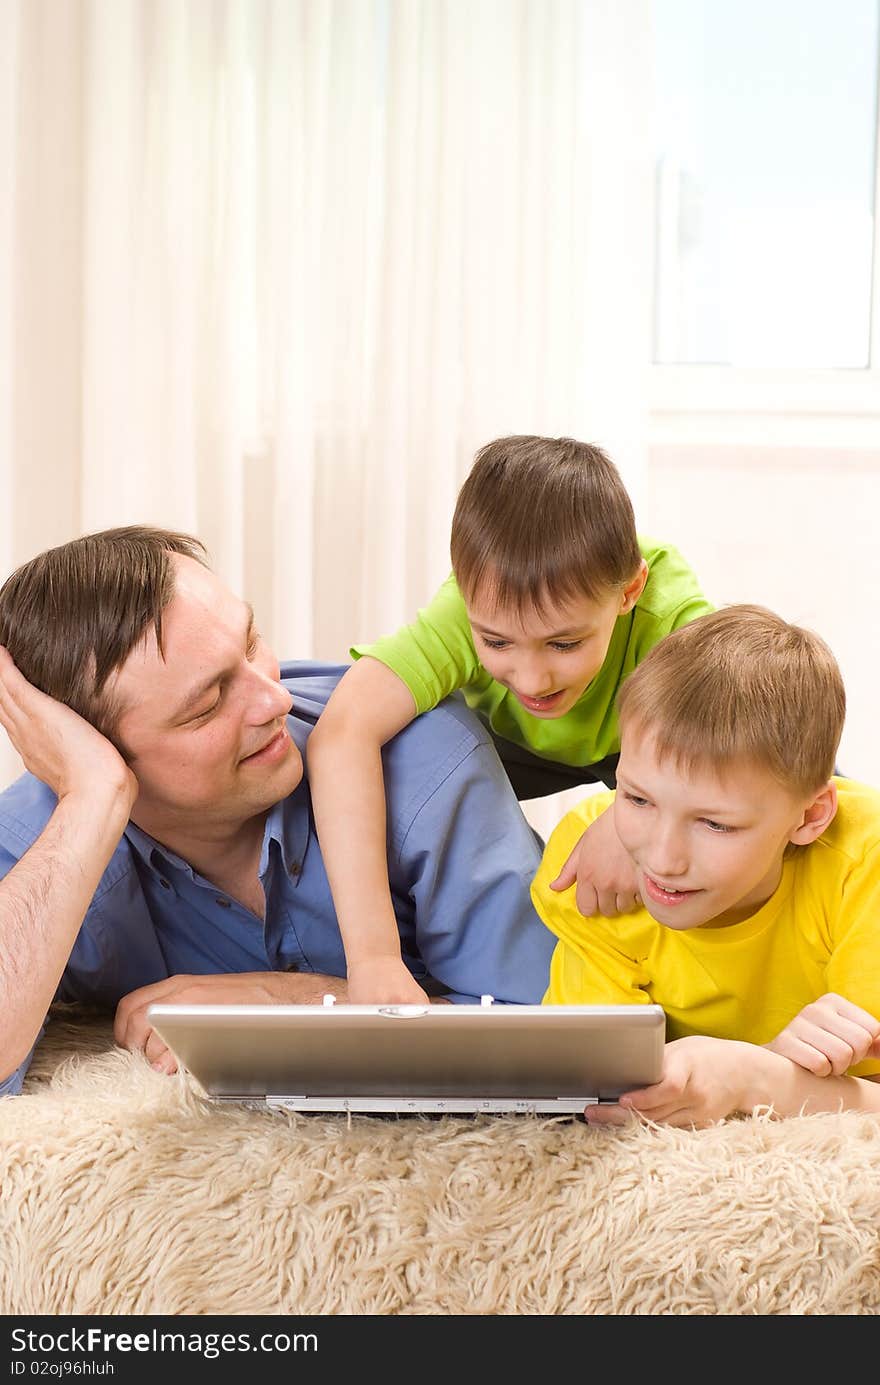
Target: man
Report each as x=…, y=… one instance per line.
x=161, y=847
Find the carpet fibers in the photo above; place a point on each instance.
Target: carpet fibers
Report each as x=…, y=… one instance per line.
x=126, y=1192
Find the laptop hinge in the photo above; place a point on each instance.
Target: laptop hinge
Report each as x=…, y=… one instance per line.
x=253, y=1098
x=440, y=1105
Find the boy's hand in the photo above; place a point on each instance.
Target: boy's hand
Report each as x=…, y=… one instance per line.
x=384, y=981
x=829, y=1036
x=606, y=878
x=703, y=1080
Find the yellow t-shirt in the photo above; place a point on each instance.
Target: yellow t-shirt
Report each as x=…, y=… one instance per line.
x=819, y=932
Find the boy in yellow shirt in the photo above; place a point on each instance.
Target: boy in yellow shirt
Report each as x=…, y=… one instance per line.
x=553, y=599
x=760, y=875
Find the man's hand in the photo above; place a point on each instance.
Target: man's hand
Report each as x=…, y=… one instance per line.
x=606, y=878
x=703, y=1080
x=829, y=1036
x=132, y=1030
x=384, y=981
x=56, y=744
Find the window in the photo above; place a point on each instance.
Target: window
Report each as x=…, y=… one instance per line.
x=765, y=124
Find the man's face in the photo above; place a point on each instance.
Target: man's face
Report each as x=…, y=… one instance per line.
x=205, y=727
x=547, y=661
x=707, y=849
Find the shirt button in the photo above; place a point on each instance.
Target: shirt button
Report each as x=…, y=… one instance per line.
x=296, y=869
x=164, y=883
x=224, y=903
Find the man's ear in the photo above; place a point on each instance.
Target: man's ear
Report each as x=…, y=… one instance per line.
x=633, y=589
x=817, y=815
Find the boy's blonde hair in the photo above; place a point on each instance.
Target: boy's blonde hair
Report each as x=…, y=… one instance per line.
x=543, y=520
x=741, y=685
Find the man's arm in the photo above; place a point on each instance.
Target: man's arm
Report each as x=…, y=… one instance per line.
x=45, y=895
x=132, y=1029
x=466, y=856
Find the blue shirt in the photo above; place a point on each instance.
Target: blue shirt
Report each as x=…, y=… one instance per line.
x=461, y=858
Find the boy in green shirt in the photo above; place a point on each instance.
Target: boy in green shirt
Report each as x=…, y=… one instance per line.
x=552, y=602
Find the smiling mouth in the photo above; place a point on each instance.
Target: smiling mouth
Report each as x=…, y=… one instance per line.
x=541, y=704
x=270, y=750
x=661, y=895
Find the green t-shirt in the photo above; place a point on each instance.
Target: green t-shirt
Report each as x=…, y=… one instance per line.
x=435, y=656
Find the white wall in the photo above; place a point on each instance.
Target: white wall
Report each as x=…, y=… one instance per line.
x=792, y=528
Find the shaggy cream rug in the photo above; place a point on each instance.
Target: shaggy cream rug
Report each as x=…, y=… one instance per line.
x=126, y=1192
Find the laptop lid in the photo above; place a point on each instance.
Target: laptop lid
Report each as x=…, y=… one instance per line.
x=439, y=1058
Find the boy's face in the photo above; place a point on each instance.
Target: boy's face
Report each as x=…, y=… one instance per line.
x=548, y=661
x=707, y=849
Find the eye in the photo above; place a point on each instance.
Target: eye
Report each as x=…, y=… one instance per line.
x=494, y=644
x=717, y=826
x=253, y=644
x=203, y=716
x=563, y=646
x=635, y=800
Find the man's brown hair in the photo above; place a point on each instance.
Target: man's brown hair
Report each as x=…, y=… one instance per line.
x=740, y=686
x=543, y=520
x=71, y=616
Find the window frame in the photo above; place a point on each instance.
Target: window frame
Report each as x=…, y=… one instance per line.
x=788, y=406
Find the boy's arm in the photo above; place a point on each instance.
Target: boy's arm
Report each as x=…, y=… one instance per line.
x=839, y=1031
x=368, y=707
x=829, y=1036
x=706, y=1079
x=45, y=895
x=603, y=869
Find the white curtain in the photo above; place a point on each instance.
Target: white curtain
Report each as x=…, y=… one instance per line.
x=272, y=270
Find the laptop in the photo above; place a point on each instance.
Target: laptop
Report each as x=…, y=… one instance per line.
x=441, y=1059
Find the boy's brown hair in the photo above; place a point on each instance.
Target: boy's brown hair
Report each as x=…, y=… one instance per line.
x=71, y=616
x=741, y=685
x=543, y=520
